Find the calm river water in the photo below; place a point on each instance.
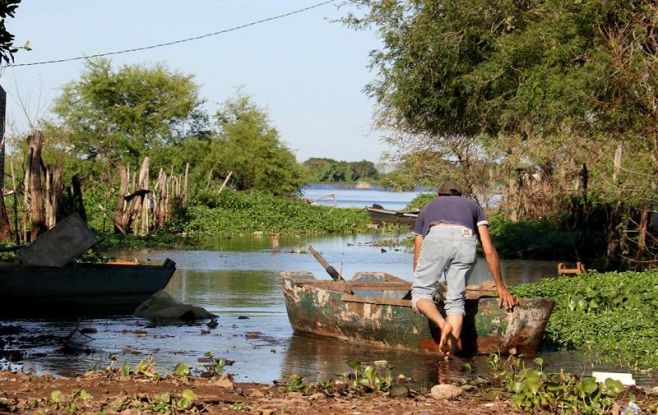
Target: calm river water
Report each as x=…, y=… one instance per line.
x=238, y=279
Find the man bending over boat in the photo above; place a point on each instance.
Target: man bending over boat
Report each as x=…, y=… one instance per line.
x=446, y=237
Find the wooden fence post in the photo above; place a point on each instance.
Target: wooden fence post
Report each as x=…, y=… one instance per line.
x=185, y=184
x=119, y=225
x=35, y=143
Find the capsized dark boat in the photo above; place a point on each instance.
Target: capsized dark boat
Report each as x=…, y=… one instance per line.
x=79, y=289
x=374, y=308
x=380, y=215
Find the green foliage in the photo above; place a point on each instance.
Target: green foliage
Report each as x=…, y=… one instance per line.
x=471, y=67
x=420, y=201
x=187, y=399
x=235, y=212
x=521, y=96
x=145, y=369
x=533, y=389
x=325, y=170
x=122, y=114
x=250, y=147
x=368, y=378
x=362, y=379
x=165, y=403
x=296, y=384
x=533, y=239
x=7, y=48
x=181, y=370
x=611, y=315
x=243, y=142
x=213, y=367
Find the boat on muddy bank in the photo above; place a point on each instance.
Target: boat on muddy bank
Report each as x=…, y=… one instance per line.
x=79, y=289
x=374, y=308
x=379, y=215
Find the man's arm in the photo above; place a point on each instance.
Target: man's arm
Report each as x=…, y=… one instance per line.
x=506, y=299
x=418, y=243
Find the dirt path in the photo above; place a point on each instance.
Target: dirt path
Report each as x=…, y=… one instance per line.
x=112, y=394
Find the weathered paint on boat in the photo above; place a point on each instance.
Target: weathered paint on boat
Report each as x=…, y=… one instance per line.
x=89, y=289
x=374, y=315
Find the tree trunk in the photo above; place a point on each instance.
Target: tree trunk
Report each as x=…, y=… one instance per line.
x=78, y=201
x=15, y=195
x=35, y=142
x=119, y=225
x=5, y=229
x=185, y=184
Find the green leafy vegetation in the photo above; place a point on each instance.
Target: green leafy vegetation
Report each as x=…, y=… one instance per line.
x=213, y=366
x=538, y=239
x=325, y=170
x=420, y=201
x=533, y=389
x=235, y=212
x=612, y=315
x=368, y=377
x=360, y=380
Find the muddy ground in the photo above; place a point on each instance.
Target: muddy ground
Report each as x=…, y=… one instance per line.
x=113, y=393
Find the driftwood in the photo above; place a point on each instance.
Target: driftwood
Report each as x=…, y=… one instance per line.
x=225, y=181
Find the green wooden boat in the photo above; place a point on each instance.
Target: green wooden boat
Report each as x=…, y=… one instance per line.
x=374, y=308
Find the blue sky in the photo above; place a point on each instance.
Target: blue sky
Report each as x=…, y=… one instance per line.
x=305, y=70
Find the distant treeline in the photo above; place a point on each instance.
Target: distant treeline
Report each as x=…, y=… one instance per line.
x=325, y=170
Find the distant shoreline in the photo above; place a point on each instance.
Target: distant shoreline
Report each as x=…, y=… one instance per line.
x=362, y=186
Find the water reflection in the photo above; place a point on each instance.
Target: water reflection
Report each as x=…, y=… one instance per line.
x=225, y=291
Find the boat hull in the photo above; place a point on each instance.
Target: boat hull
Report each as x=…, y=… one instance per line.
x=388, y=321
x=79, y=289
x=379, y=216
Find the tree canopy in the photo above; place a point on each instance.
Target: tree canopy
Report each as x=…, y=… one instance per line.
x=332, y=171
x=249, y=146
x=558, y=98
x=124, y=113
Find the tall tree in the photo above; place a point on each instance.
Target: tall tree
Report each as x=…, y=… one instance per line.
x=124, y=113
x=250, y=146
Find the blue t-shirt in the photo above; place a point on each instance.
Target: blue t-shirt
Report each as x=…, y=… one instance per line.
x=454, y=210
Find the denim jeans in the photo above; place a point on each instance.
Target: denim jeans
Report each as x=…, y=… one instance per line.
x=447, y=251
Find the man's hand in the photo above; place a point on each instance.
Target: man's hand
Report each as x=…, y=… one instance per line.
x=506, y=299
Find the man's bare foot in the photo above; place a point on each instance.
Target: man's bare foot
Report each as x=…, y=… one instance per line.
x=450, y=347
x=446, y=334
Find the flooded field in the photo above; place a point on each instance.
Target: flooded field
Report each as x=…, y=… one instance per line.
x=238, y=279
